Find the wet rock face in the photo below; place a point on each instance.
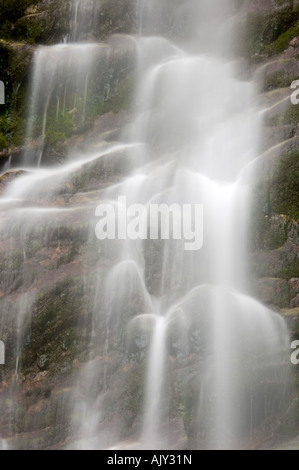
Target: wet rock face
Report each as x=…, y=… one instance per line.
x=281, y=73
x=116, y=17
x=266, y=28
x=270, y=41
x=54, y=270
x=48, y=21
x=276, y=263
x=257, y=5
x=275, y=256
x=275, y=253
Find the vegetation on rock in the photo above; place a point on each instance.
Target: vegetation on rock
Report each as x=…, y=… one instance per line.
x=285, y=186
x=266, y=33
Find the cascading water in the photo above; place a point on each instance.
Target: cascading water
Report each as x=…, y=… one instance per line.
x=83, y=17
x=207, y=350
x=60, y=92
x=70, y=81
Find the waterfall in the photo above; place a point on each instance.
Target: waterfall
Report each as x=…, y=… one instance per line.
x=58, y=97
x=65, y=80
x=83, y=18
x=182, y=323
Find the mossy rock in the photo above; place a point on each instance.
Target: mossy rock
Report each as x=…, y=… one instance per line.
x=279, y=79
x=284, y=191
x=285, y=38
x=56, y=334
x=291, y=116
x=266, y=33
x=15, y=62
x=276, y=233
x=133, y=396
x=33, y=20
x=260, y=212
x=291, y=271
x=12, y=10
x=29, y=29
x=122, y=97
x=280, y=73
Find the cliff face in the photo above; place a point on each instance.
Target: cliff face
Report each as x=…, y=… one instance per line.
x=271, y=44
x=50, y=277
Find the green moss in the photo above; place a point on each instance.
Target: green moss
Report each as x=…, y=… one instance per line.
x=16, y=260
x=12, y=10
x=3, y=141
x=12, y=130
x=118, y=99
x=16, y=26
x=286, y=312
x=12, y=261
x=290, y=271
x=122, y=97
x=291, y=116
x=14, y=65
x=268, y=33
x=261, y=209
x=275, y=236
x=284, y=39
x=285, y=186
x=33, y=247
x=58, y=127
x=109, y=90
x=29, y=29
x=18, y=130
x=251, y=35
x=34, y=27
x=69, y=256
x=62, y=126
